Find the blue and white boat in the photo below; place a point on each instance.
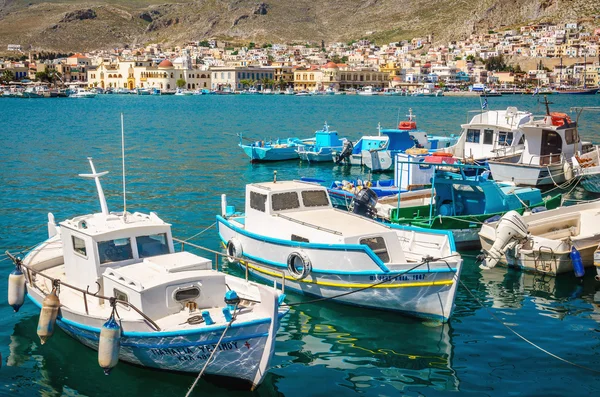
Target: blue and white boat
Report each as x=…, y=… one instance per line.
x=275, y=150
x=406, y=136
x=167, y=309
x=326, y=142
x=292, y=233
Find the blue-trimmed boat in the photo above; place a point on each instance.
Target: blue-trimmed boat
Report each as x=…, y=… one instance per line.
x=166, y=310
x=292, y=232
x=326, y=142
x=275, y=150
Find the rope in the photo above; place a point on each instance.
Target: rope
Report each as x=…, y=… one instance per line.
x=197, y=234
x=524, y=338
x=212, y=354
x=426, y=261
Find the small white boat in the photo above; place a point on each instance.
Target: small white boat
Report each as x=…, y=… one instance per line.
x=550, y=144
x=289, y=91
x=290, y=228
x=367, y=90
x=182, y=92
x=543, y=242
x=174, y=311
x=82, y=93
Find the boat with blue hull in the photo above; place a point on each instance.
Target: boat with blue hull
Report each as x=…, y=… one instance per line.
x=326, y=142
x=166, y=309
x=291, y=231
x=275, y=150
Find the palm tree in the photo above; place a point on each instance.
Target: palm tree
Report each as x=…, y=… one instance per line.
x=245, y=83
x=7, y=76
x=282, y=83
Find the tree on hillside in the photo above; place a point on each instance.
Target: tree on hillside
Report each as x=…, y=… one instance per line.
x=180, y=83
x=470, y=58
x=41, y=76
x=495, y=63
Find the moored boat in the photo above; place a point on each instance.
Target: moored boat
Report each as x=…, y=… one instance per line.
x=291, y=230
x=166, y=309
x=274, y=150
x=326, y=141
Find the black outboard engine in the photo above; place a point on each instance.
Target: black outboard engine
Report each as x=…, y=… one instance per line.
x=364, y=203
x=346, y=151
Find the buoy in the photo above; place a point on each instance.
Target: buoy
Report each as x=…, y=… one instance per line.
x=48, y=315
x=16, y=289
x=577, y=262
x=109, y=345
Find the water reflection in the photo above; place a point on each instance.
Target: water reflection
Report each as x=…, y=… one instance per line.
x=384, y=348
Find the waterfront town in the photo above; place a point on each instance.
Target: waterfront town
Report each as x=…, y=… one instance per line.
x=552, y=55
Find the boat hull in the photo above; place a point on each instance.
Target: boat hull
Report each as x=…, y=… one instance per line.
x=257, y=154
x=244, y=353
x=590, y=179
x=528, y=175
x=423, y=292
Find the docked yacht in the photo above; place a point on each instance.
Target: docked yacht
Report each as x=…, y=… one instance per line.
x=115, y=282
x=82, y=93
x=294, y=236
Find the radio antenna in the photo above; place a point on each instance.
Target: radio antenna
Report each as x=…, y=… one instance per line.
x=123, y=157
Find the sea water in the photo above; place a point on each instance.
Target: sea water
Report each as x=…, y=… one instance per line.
x=182, y=153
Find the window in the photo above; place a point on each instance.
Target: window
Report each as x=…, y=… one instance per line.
x=257, y=201
x=315, y=198
x=285, y=201
x=473, y=136
x=79, y=246
x=488, y=137
x=377, y=245
x=155, y=244
x=505, y=138
x=120, y=295
x=187, y=294
x=115, y=250
x=571, y=136
x=300, y=239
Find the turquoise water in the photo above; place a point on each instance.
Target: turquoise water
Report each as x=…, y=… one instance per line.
x=181, y=155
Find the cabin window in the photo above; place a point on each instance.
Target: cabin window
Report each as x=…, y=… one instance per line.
x=79, y=246
x=522, y=140
x=115, y=250
x=120, y=295
x=505, y=138
x=571, y=136
x=152, y=245
x=187, y=294
x=377, y=245
x=257, y=201
x=315, y=198
x=285, y=201
x=488, y=137
x=300, y=239
x=473, y=136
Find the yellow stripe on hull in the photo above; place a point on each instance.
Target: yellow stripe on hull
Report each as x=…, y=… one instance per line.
x=353, y=285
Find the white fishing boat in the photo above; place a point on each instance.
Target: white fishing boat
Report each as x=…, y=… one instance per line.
x=291, y=227
x=367, y=90
x=543, y=242
x=491, y=134
x=82, y=93
x=550, y=143
x=167, y=309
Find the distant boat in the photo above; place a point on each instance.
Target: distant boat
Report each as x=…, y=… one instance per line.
x=82, y=93
x=579, y=91
x=144, y=91
x=274, y=150
x=367, y=90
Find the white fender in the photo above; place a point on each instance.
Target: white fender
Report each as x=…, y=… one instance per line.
x=299, y=265
x=510, y=227
x=109, y=344
x=234, y=250
x=48, y=315
x=16, y=289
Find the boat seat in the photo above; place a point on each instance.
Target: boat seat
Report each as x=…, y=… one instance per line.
x=566, y=225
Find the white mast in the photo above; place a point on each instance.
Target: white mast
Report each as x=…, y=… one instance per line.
x=96, y=176
x=123, y=155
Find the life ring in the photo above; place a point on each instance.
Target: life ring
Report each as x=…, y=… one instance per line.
x=299, y=265
x=559, y=119
x=234, y=250
x=441, y=154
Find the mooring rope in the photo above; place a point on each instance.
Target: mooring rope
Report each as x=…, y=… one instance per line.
x=233, y=317
x=523, y=337
x=199, y=233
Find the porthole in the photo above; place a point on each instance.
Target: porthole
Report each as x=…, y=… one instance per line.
x=187, y=294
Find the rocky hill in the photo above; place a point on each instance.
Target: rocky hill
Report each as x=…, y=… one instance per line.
x=69, y=25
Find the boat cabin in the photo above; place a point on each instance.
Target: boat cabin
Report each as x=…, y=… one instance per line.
x=552, y=139
x=492, y=133
x=327, y=138
x=302, y=211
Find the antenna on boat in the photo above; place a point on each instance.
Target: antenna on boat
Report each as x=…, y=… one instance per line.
x=379, y=128
x=96, y=175
x=410, y=115
x=123, y=157
x=274, y=176
x=547, y=107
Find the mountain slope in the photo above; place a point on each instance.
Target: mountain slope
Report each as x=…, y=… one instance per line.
x=68, y=25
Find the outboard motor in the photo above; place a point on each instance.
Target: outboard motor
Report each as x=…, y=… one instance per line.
x=364, y=203
x=510, y=229
x=346, y=151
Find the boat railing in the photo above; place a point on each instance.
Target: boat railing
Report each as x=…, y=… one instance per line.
x=547, y=159
x=287, y=218
x=219, y=254
x=30, y=272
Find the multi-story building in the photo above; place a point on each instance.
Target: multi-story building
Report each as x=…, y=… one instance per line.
x=231, y=77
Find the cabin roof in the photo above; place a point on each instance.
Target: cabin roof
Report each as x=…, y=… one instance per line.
x=98, y=224
x=510, y=118
x=338, y=222
x=286, y=186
